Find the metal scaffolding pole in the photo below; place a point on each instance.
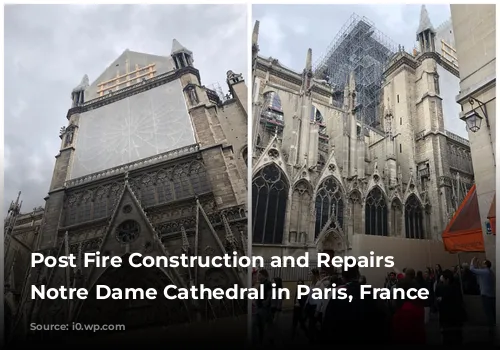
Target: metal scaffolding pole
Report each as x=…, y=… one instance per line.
x=362, y=49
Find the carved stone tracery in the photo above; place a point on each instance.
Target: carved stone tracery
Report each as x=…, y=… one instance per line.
x=160, y=187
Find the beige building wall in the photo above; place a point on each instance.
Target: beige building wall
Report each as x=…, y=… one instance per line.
x=407, y=253
x=475, y=32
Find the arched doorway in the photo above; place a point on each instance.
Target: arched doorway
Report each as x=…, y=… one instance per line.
x=133, y=314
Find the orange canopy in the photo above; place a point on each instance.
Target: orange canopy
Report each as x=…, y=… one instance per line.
x=492, y=215
x=464, y=233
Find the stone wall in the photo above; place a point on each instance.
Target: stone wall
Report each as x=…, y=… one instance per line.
x=475, y=31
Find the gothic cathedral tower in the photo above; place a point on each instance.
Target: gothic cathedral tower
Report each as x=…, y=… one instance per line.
x=149, y=163
x=414, y=116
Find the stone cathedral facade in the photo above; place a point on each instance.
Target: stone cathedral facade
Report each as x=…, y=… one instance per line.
x=323, y=181
x=176, y=184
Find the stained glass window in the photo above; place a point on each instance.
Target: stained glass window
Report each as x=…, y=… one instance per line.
x=269, y=195
x=414, y=218
x=376, y=213
x=329, y=201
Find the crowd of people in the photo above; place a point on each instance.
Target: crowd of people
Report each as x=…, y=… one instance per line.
x=370, y=321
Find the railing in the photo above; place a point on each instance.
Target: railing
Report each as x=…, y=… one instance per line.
x=291, y=274
x=457, y=138
x=444, y=181
x=420, y=135
x=131, y=90
x=423, y=172
x=134, y=165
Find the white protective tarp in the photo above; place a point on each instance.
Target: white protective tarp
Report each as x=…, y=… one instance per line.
x=141, y=126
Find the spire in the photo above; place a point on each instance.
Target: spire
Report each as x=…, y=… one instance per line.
x=78, y=93
x=307, y=74
x=14, y=206
x=178, y=48
x=83, y=84
x=426, y=33
x=182, y=57
x=425, y=22
x=352, y=82
x=309, y=60
x=255, y=34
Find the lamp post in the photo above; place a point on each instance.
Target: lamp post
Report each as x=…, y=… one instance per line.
x=473, y=119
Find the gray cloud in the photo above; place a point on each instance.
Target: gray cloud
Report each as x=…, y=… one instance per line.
x=287, y=31
x=48, y=48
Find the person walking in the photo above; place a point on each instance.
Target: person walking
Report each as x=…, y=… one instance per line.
x=356, y=320
x=486, y=279
x=427, y=303
x=263, y=306
x=298, y=312
x=274, y=331
x=311, y=306
x=451, y=310
x=408, y=321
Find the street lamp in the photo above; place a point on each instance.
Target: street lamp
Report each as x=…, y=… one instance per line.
x=472, y=118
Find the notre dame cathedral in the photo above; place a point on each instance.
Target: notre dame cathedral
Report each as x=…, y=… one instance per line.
x=356, y=154
x=151, y=161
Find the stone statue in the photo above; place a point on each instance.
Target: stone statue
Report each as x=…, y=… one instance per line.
x=193, y=97
x=234, y=78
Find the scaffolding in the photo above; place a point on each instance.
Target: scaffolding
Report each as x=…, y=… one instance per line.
x=217, y=89
x=359, y=48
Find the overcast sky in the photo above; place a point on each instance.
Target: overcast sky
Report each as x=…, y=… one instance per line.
x=48, y=49
x=287, y=31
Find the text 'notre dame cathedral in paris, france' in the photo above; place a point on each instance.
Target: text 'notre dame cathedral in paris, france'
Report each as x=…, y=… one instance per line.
x=151, y=161
x=356, y=154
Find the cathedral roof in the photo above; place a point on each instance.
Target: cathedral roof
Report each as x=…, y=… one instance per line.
x=128, y=62
x=425, y=21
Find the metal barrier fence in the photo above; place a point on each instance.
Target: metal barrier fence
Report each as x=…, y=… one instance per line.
x=291, y=274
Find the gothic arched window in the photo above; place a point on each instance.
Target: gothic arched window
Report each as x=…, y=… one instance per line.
x=147, y=191
x=316, y=115
x=100, y=209
x=269, y=196
x=328, y=200
x=376, y=213
x=164, y=188
x=272, y=106
x=182, y=186
x=85, y=207
x=414, y=218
